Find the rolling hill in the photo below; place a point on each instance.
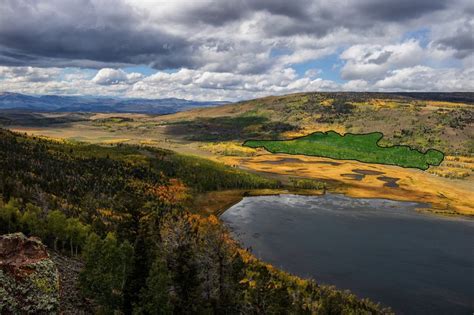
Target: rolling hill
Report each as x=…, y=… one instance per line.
x=420, y=120
x=55, y=103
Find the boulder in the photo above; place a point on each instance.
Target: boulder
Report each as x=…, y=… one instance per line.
x=29, y=279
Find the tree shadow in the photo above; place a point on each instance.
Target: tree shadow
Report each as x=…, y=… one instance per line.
x=228, y=128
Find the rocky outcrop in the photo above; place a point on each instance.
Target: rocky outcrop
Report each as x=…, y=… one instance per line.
x=72, y=300
x=29, y=279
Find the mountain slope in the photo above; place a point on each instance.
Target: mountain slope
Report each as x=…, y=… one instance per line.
x=419, y=120
x=97, y=104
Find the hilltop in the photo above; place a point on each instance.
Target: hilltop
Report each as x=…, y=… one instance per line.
x=442, y=121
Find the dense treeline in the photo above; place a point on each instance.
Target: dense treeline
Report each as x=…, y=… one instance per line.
x=105, y=186
x=305, y=183
x=53, y=227
x=122, y=209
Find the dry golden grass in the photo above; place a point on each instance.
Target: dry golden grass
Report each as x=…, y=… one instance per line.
x=445, y=195
x=116, y=141
x=216, y=202
x=440, y=104
x=380, y=103
x=229, y=149
x=455, y=167
x=309, y=128
x=208, y=112
x=127, y=115
x=462, y=159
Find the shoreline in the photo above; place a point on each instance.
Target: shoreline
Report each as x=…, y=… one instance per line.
x=225, y=199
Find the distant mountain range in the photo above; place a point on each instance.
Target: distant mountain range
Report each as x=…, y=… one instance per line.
x=54, y=103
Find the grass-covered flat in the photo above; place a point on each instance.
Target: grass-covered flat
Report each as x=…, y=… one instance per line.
x=360, y=147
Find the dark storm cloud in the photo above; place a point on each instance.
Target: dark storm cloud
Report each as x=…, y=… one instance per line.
x=291, y=17
x=396, y=11
x=110, y=33
x=32, y=32
x=311, y=17
x=293, y=9
x=218, y=13
x=316, y=26
x=356, y=15
x=462, y=41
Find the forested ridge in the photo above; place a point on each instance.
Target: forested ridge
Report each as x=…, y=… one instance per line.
x=122, y=209
x=420, y=120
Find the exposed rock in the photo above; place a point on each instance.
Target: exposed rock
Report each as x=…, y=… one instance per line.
x=71, y=301
x=29, y=279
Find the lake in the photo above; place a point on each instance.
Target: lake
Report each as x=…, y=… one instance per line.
x=381, y=249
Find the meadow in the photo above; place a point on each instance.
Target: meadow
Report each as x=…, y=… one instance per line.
x=360, y=147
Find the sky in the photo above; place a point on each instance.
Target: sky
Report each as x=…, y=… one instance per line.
x=234, y=49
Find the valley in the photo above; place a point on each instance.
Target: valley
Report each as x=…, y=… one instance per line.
x=174, y=182
x=218, y=134
x=242, y=157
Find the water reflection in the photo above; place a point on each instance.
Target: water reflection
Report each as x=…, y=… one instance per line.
x=377, y=248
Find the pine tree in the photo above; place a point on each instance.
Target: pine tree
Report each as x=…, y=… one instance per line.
x=155, y=297
x=107, y=266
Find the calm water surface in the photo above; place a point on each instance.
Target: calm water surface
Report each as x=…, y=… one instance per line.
x=381, y=249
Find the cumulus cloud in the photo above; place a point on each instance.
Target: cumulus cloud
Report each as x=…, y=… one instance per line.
x=207, y=85
x=29, y=74
x=460, y=38
x=370, y=62
x=232, y=50
x=356, y=85
x=418, y=78
x=108, y=76
x=217, y=85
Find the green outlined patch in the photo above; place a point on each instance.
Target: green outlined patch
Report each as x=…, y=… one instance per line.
x=359, y=147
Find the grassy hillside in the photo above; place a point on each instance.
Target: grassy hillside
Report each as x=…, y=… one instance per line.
x=442, y=121
x=123, y=210
x=422, y=121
